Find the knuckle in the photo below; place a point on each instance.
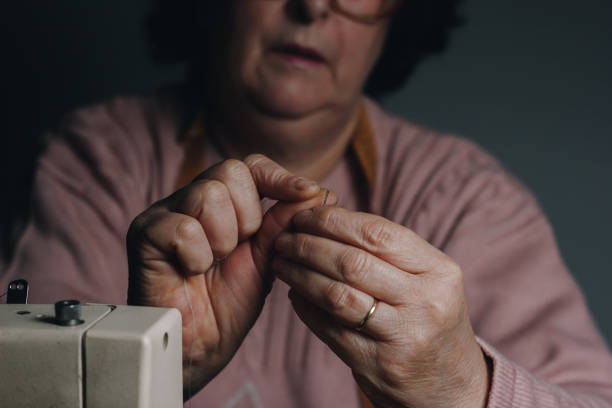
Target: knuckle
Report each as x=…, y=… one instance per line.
x=440, y=310
x=338, y=297
x=146, y=235
x=301, y=246
x=265, y=170
x=444, y=304
x=213, y=191
x=250, y=225
x=325, y=218
x=190, y=199
x=233, y=168
x=255, y=159
x=353, y=265
x=147, y=217
x=235, y=171
x=142, y=229
x=454, y=275
x=224, y=249
x=377, y=234
x=187, y=229
x=194, y=266
x=455, y=293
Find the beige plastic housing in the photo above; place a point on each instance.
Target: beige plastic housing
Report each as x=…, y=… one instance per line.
x=120, y=356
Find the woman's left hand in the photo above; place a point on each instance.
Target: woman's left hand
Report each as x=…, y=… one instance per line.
x=418, y=348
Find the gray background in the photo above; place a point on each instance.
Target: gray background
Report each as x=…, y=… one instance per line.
x=528, y=80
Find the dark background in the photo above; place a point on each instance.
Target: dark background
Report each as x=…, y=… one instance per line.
x=528, y=80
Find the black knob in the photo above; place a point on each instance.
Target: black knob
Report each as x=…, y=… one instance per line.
x=68, y=313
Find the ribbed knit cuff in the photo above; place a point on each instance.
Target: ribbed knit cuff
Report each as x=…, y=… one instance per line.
x=501, y=391
x=514, y=387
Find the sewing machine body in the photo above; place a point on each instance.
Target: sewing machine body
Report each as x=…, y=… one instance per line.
x=119, y=356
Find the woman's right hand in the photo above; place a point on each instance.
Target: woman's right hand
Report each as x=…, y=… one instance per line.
x=205, y=251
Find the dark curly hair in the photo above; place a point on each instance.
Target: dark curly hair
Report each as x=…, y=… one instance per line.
x=419, y=29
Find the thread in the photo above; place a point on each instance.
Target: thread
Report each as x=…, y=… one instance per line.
x=326, y=197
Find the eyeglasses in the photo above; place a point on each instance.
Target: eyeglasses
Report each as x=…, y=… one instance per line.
x=366, y=11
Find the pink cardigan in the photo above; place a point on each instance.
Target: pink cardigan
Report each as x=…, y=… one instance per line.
x=108, y=163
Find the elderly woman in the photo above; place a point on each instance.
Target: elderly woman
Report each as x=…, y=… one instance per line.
x=381, y=233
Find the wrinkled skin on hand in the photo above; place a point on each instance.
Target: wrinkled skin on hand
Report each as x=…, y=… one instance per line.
x=418, y=348
x=205, y=250
x=209, y=251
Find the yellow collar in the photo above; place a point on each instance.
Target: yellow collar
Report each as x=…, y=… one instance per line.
x=362, y=145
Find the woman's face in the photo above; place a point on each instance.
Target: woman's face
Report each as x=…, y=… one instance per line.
x=292, y=58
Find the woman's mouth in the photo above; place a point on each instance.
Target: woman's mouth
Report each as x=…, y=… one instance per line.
x=299, y=54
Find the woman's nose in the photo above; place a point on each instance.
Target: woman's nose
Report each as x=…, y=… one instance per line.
x=318, y=8
x=310, y=10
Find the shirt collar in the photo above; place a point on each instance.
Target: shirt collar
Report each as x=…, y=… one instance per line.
x=362, y=145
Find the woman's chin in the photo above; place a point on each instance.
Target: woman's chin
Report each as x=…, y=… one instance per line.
x=289, y=95
x=285, y=105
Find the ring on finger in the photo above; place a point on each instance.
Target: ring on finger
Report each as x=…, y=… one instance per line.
x=363, y=321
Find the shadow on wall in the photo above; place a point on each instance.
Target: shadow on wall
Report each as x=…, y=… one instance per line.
x=19, y=144
x=58, y=56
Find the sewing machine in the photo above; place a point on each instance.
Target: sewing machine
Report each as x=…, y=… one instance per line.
x=70, y=355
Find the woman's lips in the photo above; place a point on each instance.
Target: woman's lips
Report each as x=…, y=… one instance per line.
x=299, y=54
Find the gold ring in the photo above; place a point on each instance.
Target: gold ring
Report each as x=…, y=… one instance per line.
x=367, y=316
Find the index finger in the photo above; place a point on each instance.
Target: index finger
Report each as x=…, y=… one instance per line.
x=387, y=240
x=275, y=182
x=249, y=180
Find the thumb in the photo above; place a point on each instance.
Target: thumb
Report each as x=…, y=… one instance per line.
x=275, y=182
x=277, y=220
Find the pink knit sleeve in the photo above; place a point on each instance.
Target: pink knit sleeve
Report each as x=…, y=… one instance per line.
x=89, y=184
x=529, y=315
x=545, y=349
x=514, y=387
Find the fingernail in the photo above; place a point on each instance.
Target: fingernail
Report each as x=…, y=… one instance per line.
x=331, y=198
x=303, y=184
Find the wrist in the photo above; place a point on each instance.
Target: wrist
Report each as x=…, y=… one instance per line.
x=481, y=373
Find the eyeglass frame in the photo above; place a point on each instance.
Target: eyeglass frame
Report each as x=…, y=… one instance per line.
x=365, y=19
